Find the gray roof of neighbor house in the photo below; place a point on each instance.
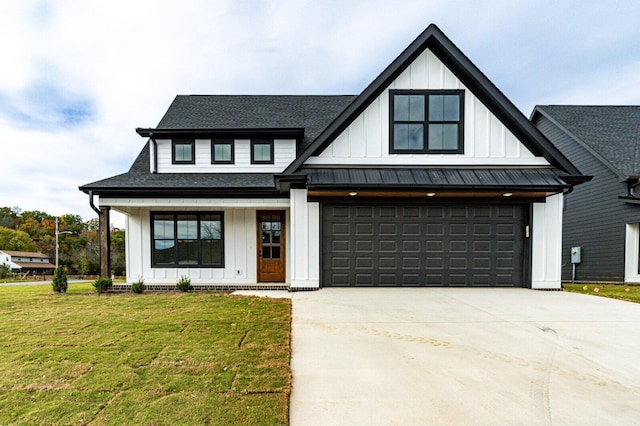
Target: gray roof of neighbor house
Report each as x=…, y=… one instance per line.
x=612, y=132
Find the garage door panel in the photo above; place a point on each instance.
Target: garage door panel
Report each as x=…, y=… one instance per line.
x=370, y=245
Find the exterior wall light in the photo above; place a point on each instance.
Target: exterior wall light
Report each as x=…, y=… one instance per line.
x=507, y=194
x=430, y=194
x=353, y=193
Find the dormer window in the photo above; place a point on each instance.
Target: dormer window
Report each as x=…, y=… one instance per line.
x=426, y=121
x=262, y=151
x=222, y=151
x=183, y=151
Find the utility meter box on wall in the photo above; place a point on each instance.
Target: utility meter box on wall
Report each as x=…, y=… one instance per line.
x=576, y=254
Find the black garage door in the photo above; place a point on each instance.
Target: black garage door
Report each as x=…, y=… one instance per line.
x=418, y=245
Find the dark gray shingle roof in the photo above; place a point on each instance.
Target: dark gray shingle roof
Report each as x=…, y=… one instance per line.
x=139, y=178
x=225, y=112
x=613, y=132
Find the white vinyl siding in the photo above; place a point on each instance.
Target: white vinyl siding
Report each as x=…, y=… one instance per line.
x=284, y=151
x=486, y=140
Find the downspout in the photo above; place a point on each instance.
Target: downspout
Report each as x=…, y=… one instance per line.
x=155, y=153
x=93, y=206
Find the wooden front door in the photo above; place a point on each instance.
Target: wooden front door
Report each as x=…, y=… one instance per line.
x=271, y=249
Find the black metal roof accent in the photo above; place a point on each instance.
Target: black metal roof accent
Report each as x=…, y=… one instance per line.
x=532, y=179
x=610, y=133
x=434, y=39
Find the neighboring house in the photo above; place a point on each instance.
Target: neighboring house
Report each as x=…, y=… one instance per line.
x=429, y=177
x=602, y=216
x=26, y=262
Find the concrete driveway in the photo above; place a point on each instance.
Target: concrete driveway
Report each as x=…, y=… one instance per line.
x=463, y=356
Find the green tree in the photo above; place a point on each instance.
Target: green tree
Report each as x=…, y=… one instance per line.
x=9, y=217
x=11, y=239
x=118, y=259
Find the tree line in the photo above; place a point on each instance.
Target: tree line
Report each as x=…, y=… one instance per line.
x=79, y=250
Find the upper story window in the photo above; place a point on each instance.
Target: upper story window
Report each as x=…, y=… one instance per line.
x=262, y=151
x=222, y=151
x=427, y=121
x=183, y=151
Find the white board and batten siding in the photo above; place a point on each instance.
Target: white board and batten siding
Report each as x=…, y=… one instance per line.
x=487, y=141
x=240, y=243
x=284, y=152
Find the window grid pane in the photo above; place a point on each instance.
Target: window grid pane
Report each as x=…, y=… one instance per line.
x=222, y=152
x=262, y=152
x=183, y=152
x=188, y=240
x=418, y=129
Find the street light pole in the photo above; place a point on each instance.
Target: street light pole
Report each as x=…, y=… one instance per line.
x=57, y=244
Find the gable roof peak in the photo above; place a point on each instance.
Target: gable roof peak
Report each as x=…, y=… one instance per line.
x=436, y=41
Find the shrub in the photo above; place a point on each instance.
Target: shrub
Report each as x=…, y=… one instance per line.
x=59, y=282
x=184, y=284
x=102, y=284
x=4, y=271
x=138, y=286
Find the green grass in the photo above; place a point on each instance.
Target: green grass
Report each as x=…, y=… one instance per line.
x=614, y=291
x=187, y=358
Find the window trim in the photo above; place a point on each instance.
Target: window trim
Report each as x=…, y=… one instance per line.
x=199, y=214
x=426, y=122
x=175, y=142
x=255, y=142
x=222, y=142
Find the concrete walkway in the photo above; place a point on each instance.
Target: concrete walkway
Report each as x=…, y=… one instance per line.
x=463, y=356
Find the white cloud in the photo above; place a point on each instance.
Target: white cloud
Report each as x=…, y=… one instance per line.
x=79, y=76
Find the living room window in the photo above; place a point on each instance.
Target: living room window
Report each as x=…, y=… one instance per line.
x=185, y=239
x=222, y=151
x=426, y=121
x=262, y=151
x=183, y=151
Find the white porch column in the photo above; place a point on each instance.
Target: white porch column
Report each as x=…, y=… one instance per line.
x=546, y=244
x=305, y=241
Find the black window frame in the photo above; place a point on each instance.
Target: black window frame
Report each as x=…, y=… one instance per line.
x=255, y=142
x=222, y=141
x=175, y=263
x=183, y=141
x=426, y=122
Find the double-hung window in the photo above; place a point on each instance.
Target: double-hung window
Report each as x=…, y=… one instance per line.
x=185, y=239
x=183, y=151
x=222, y=151
x=426, y=121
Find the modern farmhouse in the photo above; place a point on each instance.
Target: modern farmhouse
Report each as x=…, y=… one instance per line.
x=429, y=177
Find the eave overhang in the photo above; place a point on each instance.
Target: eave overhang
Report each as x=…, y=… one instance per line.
x=281, y=133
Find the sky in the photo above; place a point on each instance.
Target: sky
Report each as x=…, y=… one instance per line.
x=77, y=77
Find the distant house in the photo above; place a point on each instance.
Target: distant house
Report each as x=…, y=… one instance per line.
x=602, y=216
x=429, y=177
x=26, y=262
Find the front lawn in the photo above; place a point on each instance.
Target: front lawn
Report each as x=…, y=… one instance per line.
x=174, y=358
x=615, y=291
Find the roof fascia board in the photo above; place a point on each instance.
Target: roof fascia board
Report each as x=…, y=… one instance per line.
x=434, y=39
x=539, y=110
x=296, y=132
